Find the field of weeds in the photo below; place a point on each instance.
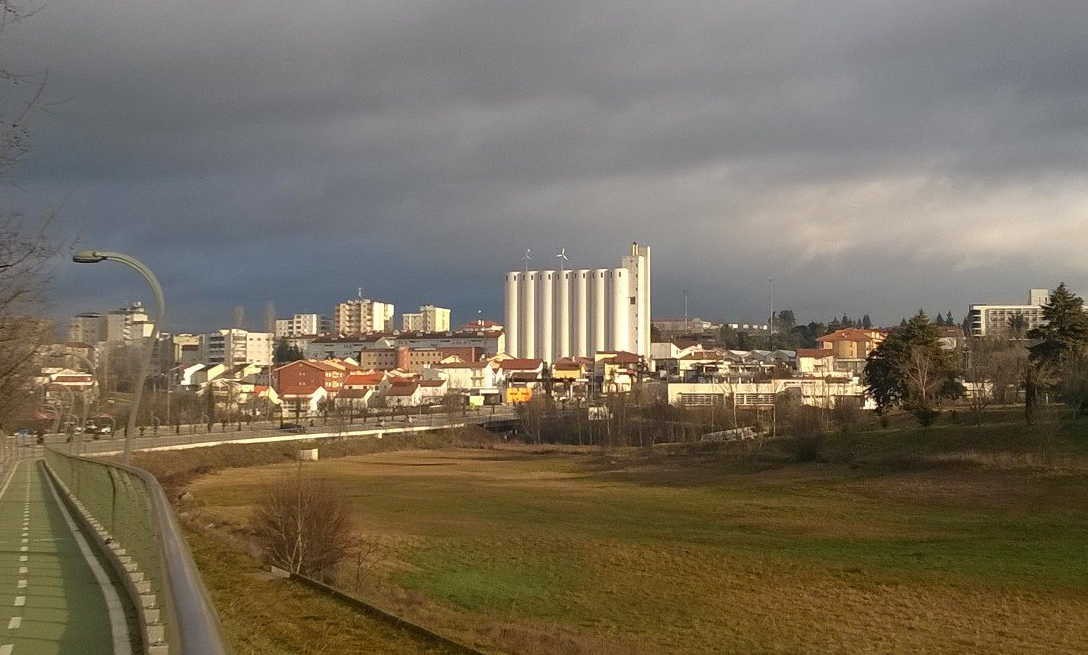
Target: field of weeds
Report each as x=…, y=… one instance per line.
x=957, y=538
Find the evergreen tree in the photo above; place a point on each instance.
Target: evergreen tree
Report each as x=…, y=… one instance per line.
x=286, y=352
x=866, y=322
x=948, y=320
x=785, y=321
x=910, y=369
x=1063, y=333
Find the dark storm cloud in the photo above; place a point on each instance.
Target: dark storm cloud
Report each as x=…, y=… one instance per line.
x=871, y=156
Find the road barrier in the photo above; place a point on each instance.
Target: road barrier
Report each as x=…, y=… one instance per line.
x=130, y=516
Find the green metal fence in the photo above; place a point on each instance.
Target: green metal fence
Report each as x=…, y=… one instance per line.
x=131, y=506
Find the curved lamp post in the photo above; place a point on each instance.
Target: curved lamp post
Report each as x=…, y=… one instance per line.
x=95, y=256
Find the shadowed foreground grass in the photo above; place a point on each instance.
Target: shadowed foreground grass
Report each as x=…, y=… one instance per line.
x=270, y=616
x=949, y=540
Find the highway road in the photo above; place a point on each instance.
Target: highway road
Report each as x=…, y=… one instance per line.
x=196, y=436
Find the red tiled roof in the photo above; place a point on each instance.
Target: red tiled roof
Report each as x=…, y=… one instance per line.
x=402, y=389
x=354, y=393
x=370, y=378
x=431, y=383
x=524, y=376
x=621, y=357
x=520, y=364
x=568, y=364
x=848, y=334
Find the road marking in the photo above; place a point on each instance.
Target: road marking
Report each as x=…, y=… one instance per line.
x=10, y=477
x=21, y=584
x=23, y=558
x=15, y=622
x=118, y=622
x=23, y=570
x=24, y=548
x=6, y=649
x=20, y=601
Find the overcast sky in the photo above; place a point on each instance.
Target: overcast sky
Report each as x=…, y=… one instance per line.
x=871, y=156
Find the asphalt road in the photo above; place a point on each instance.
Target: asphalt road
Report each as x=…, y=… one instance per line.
x=195, y=435
x=55, y=593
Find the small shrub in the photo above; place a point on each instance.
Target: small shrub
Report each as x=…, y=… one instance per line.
x=302, y=526
x=807, y=448
x=926, y=416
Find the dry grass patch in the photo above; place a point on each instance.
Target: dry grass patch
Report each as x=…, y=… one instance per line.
x=675, y=553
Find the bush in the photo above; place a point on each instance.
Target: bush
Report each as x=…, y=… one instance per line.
x=808, y=448
x=303, y=526
x=926, y=416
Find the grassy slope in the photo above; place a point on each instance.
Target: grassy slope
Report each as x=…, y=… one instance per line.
x=954, y=539
x=269, y=616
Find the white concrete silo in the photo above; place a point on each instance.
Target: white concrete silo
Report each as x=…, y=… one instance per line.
x=619, y=315
x=545, y=346
x=599, y=305
x=562, y=317
x=513, y=279
x=527, y=334
x=580, y=327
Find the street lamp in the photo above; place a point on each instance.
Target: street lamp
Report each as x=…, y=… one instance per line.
x=95, y=256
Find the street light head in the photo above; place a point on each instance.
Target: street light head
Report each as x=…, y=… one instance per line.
x=87, y=257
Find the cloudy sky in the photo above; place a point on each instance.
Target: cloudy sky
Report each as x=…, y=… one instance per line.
x=870, y=155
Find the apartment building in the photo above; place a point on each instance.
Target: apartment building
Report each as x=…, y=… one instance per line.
x=301, y=325
x=234, y=347
x=987, y=320
x=428, y=319
x=362, y=316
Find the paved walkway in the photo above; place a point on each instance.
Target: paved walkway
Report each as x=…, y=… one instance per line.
x=55, y=594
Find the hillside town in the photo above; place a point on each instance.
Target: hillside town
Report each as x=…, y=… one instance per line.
x=570, y=338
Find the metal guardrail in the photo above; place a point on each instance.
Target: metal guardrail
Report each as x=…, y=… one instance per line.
x=131, y=505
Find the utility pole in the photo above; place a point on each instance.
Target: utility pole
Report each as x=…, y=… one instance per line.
x=770, y=325
x=686, y=327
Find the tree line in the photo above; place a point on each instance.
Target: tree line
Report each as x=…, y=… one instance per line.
x=912, y=370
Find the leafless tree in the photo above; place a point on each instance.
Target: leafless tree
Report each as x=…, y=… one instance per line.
x=1073, y=385
x=25, y=245
x=979, y=372
x=303, y=525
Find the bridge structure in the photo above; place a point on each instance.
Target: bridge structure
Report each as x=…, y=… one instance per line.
x=92, y=561
x=91, y=557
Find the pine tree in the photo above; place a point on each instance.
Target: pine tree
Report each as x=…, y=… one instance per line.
x=1063, y=333
x=866, y=322
x=909, y=368
x=948, y=320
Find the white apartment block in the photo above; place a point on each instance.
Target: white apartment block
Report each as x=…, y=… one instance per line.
x=554, y=314
x=362, y=315
x=234, y=347
x=88, y=328
x=118, y=326
x=993, y=320
x=301, y=325
x=428, y=319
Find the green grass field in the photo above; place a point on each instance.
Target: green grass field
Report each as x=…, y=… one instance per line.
x=957, y=539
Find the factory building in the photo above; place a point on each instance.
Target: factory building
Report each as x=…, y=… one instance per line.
x=554, y=314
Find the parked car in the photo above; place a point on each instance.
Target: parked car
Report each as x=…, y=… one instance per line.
x=292, y=427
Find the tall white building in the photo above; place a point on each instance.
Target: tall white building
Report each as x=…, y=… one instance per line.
x=994, y=320
x=234, y=347
x=428, y=319
x=301, y=325
x=118, y=326
x=552, y=314
x=362, y=315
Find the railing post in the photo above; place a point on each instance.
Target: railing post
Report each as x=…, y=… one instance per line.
x=113, y=502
